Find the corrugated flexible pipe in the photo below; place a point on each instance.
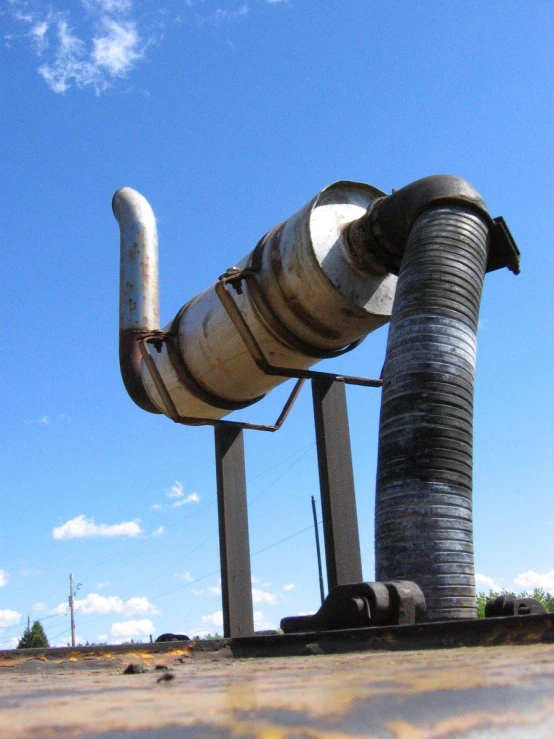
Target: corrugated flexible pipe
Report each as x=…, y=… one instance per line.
x=435, y=235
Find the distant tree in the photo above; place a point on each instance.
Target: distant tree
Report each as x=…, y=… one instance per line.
x=538, y=593
x=33, y=638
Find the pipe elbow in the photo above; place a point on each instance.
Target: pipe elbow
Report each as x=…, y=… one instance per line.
x=138, y=287
x=377, y=240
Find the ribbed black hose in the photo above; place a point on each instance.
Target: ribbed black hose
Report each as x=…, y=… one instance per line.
x=423, y=523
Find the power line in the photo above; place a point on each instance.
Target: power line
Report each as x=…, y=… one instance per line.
x=193, y=582
x=303, y=451
x=281, y=475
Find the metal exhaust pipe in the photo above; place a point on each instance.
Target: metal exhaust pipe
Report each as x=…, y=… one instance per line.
x=139, y=312
x=436, y=235
x=304, y=301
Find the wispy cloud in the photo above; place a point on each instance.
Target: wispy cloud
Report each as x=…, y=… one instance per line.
x=159, y=531
x=41, y=421
x=94, y=43
x=176, y=491
x=176, y=495
x=31, y=572
x=213, y=590
x=40, y=606
x=289, y=587
x=224, y=16
x=81, y=527
x=105, y=47
x=192, y=498
x=110, y=604
x=3, y=578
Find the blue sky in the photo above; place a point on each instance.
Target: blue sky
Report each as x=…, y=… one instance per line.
x=228, y=116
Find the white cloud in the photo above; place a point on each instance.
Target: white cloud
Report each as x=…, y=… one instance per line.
x=289, y=587
x=103, y=584
x=214, y=618
x=186, y=576
x=40, y=606
x=222, y=16
x=4, y=577
x=159, y=531
x=107, y=7
x=192, y=498
x=531, y=579
x=42, y=421
x=107, y=604
x=81, y=527
x=126, y=630
x=486, y=583
x=176, y=490
x=262, y=596
x=140, y=604
x=70, y=65
x=31, y=572
x=118, y=49
x=156, y=506
x=9, y=618
x=261, y=622
x=107, y=46
x=11, y=643
x=213, y=590
x=38, y=35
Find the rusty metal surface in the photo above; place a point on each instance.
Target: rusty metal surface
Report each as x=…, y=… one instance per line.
x=487, y=632
x=498, y=692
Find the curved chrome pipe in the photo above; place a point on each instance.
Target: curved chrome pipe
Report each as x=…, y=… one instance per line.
x=139, y=312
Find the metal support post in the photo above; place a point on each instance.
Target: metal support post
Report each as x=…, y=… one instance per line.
x=336, y=478
x=234, y=546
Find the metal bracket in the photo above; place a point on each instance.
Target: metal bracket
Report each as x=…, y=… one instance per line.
x=363, y=604
x=158, y=337
x=234, y=276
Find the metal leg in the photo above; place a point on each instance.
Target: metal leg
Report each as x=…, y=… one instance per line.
x=234, y=546
x=336, y=478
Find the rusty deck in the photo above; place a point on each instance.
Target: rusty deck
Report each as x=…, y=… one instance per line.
x=502, y=691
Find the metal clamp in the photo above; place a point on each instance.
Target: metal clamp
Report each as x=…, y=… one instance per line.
x=509, y=605
x=363, y=604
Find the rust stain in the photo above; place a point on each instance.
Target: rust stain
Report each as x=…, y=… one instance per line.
x=413, y=695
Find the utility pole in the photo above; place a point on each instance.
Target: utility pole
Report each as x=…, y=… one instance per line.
x=322, y=592
x=72, y=609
